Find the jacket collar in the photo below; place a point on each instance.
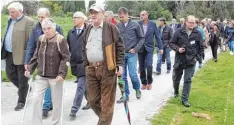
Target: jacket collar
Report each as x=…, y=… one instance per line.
x=183, y=30
x=18, y=19
x=74, y=28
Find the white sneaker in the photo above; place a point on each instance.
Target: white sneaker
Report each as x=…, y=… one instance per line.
x=231, y=53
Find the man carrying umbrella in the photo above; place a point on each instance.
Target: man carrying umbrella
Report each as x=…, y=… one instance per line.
x=103, y=52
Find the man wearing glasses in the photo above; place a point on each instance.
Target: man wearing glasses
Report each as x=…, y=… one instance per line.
x=74, y=39
x=188, y=44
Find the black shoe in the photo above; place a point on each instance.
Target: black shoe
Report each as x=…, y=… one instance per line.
x=19, y=106
x=51, y=108
x=45, y=113
x=73, y=114
x=121, y=100
x=186, y=103
x=176, y=95
x=168, y=71
x=87, y=106
x=76, y=81
x=138, y=94
x=158, y=73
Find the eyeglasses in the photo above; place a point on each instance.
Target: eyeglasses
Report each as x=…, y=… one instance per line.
x=191, y=22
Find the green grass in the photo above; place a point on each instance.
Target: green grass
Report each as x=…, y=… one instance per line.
x=66, y=24
x=212, y=93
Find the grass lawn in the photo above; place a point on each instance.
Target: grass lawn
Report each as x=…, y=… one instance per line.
x=212, y=93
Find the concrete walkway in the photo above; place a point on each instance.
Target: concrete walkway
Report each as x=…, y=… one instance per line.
x=141, y=110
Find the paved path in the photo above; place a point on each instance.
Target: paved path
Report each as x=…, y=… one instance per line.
x=141, y=110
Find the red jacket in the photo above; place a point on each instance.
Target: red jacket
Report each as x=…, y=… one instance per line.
x=114, y=21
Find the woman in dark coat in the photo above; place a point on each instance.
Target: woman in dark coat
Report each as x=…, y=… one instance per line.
x=214, y=40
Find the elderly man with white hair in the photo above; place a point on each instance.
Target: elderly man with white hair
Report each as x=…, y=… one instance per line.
x=74, y=39
x=51, y=58
x=37, y=31
x=13, y=49
x=173, y=25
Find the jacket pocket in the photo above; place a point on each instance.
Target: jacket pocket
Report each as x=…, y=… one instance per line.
x=110, y=57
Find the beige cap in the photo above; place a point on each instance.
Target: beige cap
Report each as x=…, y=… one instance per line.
x=97, y=8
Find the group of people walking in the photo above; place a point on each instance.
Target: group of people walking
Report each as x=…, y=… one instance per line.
x=99, y=49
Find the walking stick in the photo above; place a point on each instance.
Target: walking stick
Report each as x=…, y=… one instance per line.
x=122, y=89
x=26, y=102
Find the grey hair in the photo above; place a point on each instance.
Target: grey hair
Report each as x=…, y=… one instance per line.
x=109, y=13
x=44, y=10
x=17, y=6
x=48, y=22
x=182, y=19
x=80, y=14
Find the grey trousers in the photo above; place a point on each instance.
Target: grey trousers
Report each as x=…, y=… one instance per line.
x=41, y=84
x=80, y=90
x=176, y=77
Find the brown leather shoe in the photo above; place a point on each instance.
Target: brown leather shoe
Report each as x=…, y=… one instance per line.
x=149, y=87
x=144, y=87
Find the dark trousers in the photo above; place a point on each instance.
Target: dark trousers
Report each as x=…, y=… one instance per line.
x=15, y=73
x=176, y=77
x=214, y=48
x=80, y=90
x=101, y=85
x=164, y=57
x=145, y=59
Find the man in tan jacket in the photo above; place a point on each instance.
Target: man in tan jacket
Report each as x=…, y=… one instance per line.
x=103, y=52
x=13, y=49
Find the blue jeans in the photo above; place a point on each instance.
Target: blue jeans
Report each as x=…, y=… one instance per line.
x=130, y=62
x=231, y=46
x=166, y=50
x=47, y=100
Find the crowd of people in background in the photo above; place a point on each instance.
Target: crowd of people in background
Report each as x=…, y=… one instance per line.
x=98, y=49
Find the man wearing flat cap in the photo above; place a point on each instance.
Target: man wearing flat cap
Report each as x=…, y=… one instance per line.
x=166, y=35
x=103, y=53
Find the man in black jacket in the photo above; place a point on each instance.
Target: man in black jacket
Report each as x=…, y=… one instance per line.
x=166, y=35
x=187, y=43
x=74, y=39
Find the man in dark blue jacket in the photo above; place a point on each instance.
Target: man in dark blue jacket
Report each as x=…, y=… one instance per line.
x=31, y=47
x=74, y=39
x=145, y=55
